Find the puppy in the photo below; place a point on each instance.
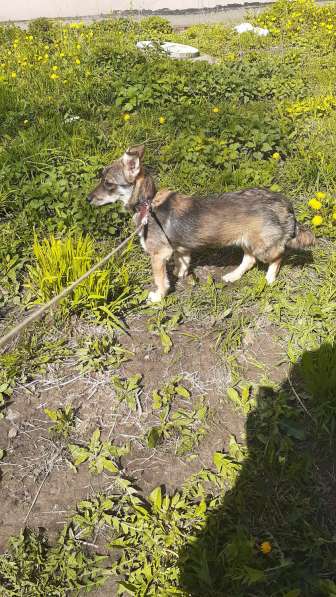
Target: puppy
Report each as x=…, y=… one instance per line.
x=259, y=221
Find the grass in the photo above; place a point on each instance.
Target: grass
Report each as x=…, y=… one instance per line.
x=246, y=513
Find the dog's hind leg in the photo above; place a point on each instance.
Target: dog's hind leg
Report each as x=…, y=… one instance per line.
x=182, y=261
x=272, y=271
x=159, y=260
x=247, y=263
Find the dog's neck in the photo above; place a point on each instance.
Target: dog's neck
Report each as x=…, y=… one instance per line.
x=143, y=191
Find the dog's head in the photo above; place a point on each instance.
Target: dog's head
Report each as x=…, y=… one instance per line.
x=119, y=178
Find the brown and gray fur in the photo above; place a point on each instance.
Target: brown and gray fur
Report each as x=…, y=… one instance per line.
x=259, y=221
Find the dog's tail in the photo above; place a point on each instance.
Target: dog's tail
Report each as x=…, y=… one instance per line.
x=303, y=238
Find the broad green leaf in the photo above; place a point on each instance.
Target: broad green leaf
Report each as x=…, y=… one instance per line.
x=165, y=341
x=233, y=395
x=153, y=437
x=110, y=466
x=157, y=400
x=156, y=497
x=182, y=391
x=79, y=454
x=52, y=414
x=95, y=438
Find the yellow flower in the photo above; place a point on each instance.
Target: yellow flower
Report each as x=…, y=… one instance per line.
x=78, y=46
x=55, y=67
x=126, y=117
x=46, y=56
x=315, y=204
x=61, y=54
x=276, y=156
x=334, y=215
x=215, y=110
x=162, y=120
x=13, y=75
x=317, y=220
x=25, y=121
x=77, y=61
x=321, y=195
x=266, y=547
x=54, y=76
x=65, y=81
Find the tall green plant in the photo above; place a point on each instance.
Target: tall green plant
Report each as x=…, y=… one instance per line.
x=59, y=262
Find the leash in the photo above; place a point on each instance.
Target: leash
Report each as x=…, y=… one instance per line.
x=144, y=209
x=37, y=314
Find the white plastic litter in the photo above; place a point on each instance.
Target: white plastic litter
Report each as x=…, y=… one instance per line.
x=243, y=27
x=174, y=50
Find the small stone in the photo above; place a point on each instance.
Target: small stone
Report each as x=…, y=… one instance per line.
x=173, y=49
x=11, y=414
x=13, y=432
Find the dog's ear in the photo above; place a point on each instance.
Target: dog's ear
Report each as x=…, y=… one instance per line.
x=132, y=160
x=161, y=196
x=144, y=191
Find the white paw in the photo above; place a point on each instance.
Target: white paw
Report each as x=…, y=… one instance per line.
x=231, y=277
x=270, y=278
x=154, y=297
x=182, y=274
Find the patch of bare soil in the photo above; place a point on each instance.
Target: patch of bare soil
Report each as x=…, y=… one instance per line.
x=38, y=486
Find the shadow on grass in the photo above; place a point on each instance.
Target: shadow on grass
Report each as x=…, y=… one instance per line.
x=232, y=256
x=284, y=498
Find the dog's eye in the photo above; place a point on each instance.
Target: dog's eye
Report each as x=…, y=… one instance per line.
x=108, y=184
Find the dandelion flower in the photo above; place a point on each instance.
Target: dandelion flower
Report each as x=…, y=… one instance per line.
x=266, y=547
x=276, y=156
x=126, y=117
x=315, y=204
x=54, y=76
x=317, y=220
x=162, y=120
x=25, y=121
x=334, y=216
x=55, y=67
x=215, y=110
x=321, y=195
x=77, y=61
x=13, y=75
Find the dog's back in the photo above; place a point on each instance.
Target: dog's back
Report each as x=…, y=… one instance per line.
x=258, y=220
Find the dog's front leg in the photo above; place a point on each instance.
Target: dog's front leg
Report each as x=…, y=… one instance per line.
x=182, y=261
x=159, y=261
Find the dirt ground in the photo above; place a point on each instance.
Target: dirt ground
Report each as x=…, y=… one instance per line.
x=38, y=486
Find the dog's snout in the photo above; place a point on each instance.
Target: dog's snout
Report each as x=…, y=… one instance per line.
x=89, y=198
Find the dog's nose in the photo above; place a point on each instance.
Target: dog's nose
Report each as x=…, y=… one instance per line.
x=89, y=198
